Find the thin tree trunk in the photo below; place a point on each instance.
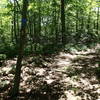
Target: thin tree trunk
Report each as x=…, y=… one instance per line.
x=88, y=23
x=77, y=22
x=98, y=21
x=63, y=21
x=22, y=41
x=15, y=27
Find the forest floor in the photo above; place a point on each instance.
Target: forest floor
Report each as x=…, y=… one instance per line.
x=63, y=76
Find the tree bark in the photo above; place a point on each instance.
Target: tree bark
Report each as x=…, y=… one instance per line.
x=98, y=21
x=63, y=21
x=23, y=34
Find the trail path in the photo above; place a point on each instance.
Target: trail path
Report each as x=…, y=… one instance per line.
x=65, y=76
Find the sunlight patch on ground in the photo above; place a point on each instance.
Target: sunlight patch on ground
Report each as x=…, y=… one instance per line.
x=71, y=96
x=66, y=55
x=49, y=81
x=40, y=71
x=63, y=63
x=82, y=85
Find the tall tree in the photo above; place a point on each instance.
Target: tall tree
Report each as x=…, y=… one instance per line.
x=23, y=35
x=63, y=21
x=98, y=21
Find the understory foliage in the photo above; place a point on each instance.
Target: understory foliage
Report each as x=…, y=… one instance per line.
x=44, y=27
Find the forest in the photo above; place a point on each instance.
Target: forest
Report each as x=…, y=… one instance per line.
x=49, y=49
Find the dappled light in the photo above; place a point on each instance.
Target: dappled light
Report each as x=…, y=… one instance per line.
x=49, y=50
x=66, y=75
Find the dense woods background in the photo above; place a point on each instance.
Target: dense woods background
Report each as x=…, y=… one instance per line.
x=31, y=28
x=51, y=24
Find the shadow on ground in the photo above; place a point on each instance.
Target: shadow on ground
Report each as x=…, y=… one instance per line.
x=86, y=68
x=87, y=64
x=42, y=77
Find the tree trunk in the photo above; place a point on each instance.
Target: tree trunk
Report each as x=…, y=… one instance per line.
x=98, y=21
x=22, y=41
x=63, y=21
x=77, y=22
x=14, y=23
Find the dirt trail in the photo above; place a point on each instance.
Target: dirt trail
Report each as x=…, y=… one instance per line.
x=66, y=76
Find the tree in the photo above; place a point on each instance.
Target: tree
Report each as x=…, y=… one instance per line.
x=23, y=35
x=63, y=21
x=98, y=20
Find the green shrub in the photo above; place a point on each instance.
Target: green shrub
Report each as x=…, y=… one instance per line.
x=3, y=56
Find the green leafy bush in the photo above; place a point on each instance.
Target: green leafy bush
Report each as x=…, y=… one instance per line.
x=3, y=56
